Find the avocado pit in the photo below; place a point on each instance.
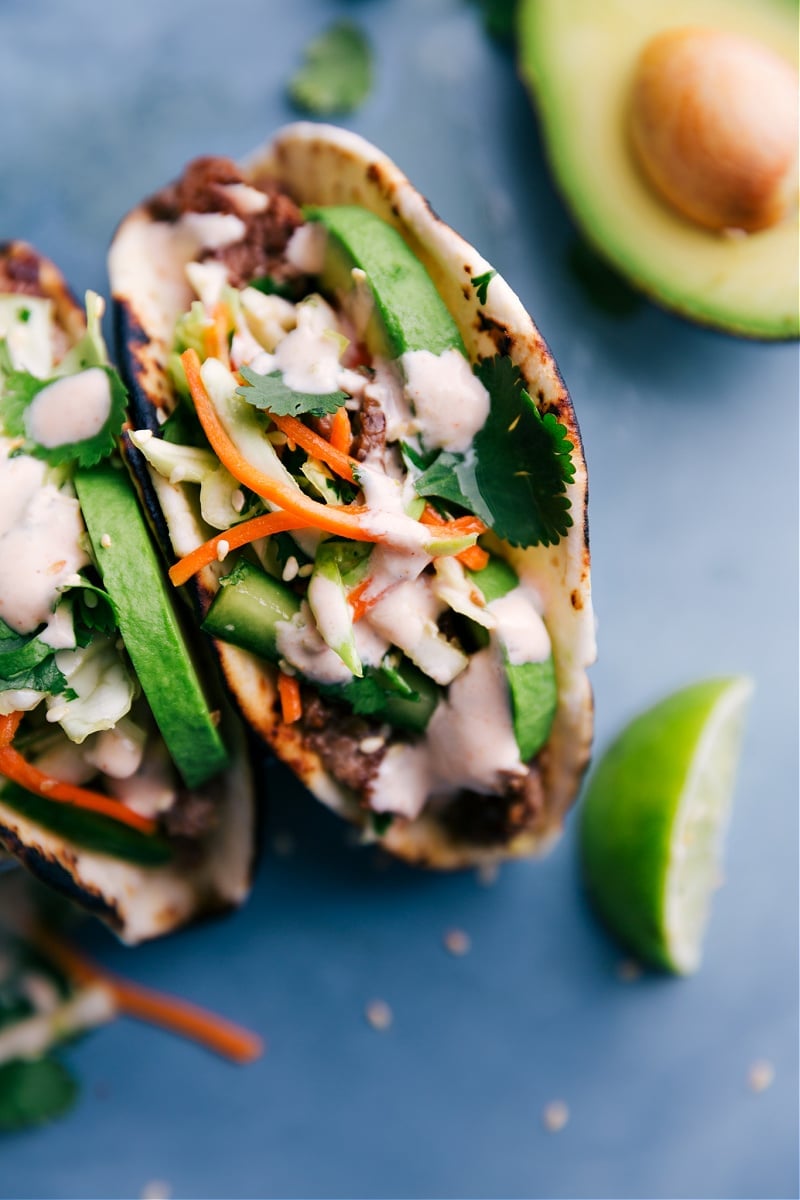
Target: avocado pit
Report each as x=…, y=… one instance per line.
x=714, y=127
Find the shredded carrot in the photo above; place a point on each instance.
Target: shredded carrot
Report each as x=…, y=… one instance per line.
x=474, y=558
x=237, y=535
x=341, y=434
x=215, y=336
x=468, y=524
x=8, y=727
x=355, y=598
x=342, y=521
x=291, y=702
x=14, y=767
x=168, y=1012
x=328, y=453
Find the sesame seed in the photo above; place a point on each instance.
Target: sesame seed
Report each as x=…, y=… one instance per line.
x=371, y=745
x=223, y=547
x=760, y=1075
x=105, y=540
x=379, y=1015
x=628, y=970
x=488, y=873
x=290, y=570
x=555, y=1116
x=304, y=572
x=457, y=942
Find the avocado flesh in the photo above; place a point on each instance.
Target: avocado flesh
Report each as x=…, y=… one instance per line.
x=148, y=622
x=407, y=311
x=578, y=57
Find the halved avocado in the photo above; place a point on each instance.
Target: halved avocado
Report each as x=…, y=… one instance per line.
x=578, y=58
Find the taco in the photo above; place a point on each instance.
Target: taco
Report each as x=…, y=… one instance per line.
x=121, y=784
x=357, y=445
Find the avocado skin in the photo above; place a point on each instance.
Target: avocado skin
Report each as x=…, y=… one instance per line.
x=408, y=313
x=149, y=623
x=576, y=57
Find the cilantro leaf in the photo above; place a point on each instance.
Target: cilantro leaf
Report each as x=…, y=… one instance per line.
x=481, y=283
x=28, y=662
x=20, y=388
x=93, y=611
x=33, y=1091
x=337, y=73
x=272, y=393
x=516, y=473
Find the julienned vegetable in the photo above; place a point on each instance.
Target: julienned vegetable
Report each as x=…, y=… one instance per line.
x=392, y=434
x=104, y=722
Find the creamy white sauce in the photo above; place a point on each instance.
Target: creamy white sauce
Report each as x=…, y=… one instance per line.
x=213, y=231
x=69, y=410
x=207, y=280
x=31, y=343
x=117, y=752
x=300, y=645
x=60, y=629
x=305, y=249
x=402, y=780
x=450, y=403
x=19, y=700
x=370, y=644
x=245, y=198
x=406, y=615
x=455, y=590
x=40, y=531
x=309, y=355
x=520, y=629
x=470, y=738
x=150, y=789
x=269, y=318
x=66, y=761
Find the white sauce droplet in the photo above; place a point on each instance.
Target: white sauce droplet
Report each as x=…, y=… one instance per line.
x=450, y=403
x=69, y=410
x=520, y=628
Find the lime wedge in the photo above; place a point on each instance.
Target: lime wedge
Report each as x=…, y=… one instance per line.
x=654, y=819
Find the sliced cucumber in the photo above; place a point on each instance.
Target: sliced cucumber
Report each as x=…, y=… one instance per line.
x=148, y=622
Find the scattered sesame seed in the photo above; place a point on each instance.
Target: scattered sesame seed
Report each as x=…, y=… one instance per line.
x=555, y=1116
x=237, y=500
x=488, y=873
x=304, y=572
x=371, y=745
x=283, y=844
x=457, y=942
x=358, y=275
x=379, y=1015
x=216, y=716
x=761, y=1075
x=290, y=570
x=628, y=970
x=223, y=548
x=161, y=416
x=105, y=540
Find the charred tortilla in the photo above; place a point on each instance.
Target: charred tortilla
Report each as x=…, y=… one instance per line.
x=317, y=165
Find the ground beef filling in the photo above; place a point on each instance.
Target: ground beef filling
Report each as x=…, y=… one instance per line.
x=19, y=270
x=203, y=189
x=337, y=735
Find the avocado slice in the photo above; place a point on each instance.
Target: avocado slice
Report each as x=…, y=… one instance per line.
x=407, y=312
x=148, y=622
x=578, y=58
x=532, y=686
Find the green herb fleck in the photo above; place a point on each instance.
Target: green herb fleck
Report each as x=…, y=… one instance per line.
x=33, y=1091
x=381, y=822
x=337, y=73
x=481, y=284
x=28, y=662
x=273, y=394
x=271, y=287
x=516, y=477
x=24, y=315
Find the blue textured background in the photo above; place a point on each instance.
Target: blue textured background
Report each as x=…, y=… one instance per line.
x=691, y=442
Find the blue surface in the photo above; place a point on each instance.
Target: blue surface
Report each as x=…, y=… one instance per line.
x=691, y=442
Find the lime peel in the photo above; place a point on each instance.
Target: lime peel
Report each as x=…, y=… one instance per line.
x=654, y=819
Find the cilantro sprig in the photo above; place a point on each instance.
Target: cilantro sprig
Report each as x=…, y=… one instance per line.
x=337, y=73
x=516, y=474
x=481, y=284
x=272, y=393
x=20, y=389
x=28, y=662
